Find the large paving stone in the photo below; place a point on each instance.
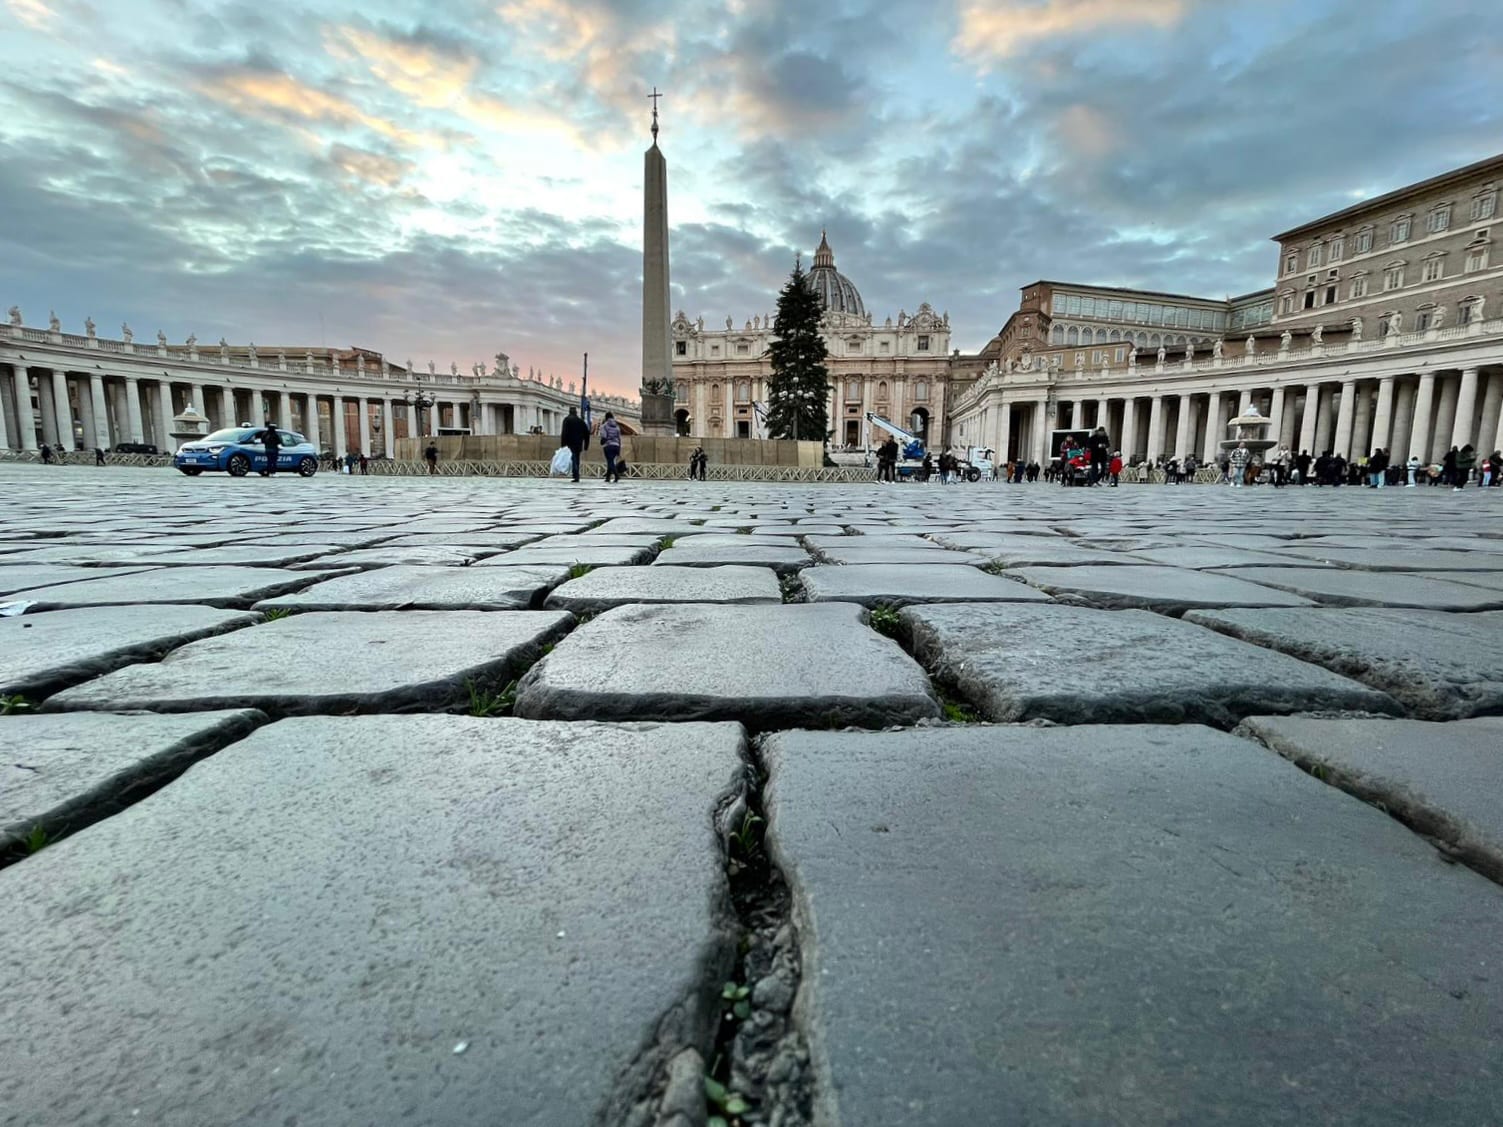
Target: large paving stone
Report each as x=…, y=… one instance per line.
x=42, y=653
x=1392, y=558
x=858, y=553
x=1020, y=551
x=60, y=773
x=1125, y=925
x=1078, y=666
x=433, y=555
x=21, y=577
x=380, y=661
x=607, y=587
x=214, y=586
x=1343, y=587
x=1199, y=556
x=785, y=561
x=900, y=584
x=428, y=588
x=417, y=919
x=1430, y=661
x=767, y=666
x=265, y=555
x=1444, y=780
x=606, y=555
x=1171, y=590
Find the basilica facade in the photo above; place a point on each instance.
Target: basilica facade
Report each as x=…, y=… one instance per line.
x=898, y=369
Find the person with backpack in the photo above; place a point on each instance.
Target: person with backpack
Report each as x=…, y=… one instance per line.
x=610, y=445
x=430, y=455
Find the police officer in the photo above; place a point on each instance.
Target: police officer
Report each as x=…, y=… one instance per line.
x=273, y=443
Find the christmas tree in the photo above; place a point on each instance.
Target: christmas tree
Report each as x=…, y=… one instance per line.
x=799, y=387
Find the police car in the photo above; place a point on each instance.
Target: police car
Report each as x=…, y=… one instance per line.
x=239, y=451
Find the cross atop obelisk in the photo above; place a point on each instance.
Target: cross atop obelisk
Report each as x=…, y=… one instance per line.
x=653, y=97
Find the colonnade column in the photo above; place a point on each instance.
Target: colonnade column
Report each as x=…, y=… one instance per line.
x=1492, y=411
x=284, y=410
x=1244, y=402
x=1040, y=434
x=1419, y=432
x=4, y=426
x=1383, y=414
x=196, y=398
x=1004, y=433
x=1103, y=412
x=1466, y=407
x=25, y=420
x=133, y=425
x=1156, y=428
x=165, y=442
x=257, y=408
x=1445, y=412
x=336, y=416
x=1308, y=420
x=47, y=403
x=310, y=420
x=101, y=412
x=412, y=421
x=1403, y=419
x=1323, y=419
x=1363, y=422
x=86, y=414
x=365, y=426
x=62, y=409
x=388, y=435
x=1214, y=427
x=1129, y=427
x=1344, y=416
x=1276, y=414
x=1182, y=427
x=1077, y=414
x=1498, y=430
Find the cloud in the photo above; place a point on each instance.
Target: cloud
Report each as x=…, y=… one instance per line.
x=374, y=168
x=33, y=13
x=281, y=97
x=999, y=29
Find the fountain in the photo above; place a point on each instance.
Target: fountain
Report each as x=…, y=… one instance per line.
x=1250, y=432
x=190, y=425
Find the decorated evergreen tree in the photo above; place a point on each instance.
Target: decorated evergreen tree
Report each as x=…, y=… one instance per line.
x=799, y=388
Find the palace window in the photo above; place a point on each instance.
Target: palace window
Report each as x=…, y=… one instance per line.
x=921, y=391
x=1314, y=256
x=1291, y=263
x=1468, y=310
x=681, y=348
x=885, y=346
x=1309, y=299
x=1057, y=335
x=1359, y=286
x=1364, y=240
x=743, y=350
x=715, y=397
x=1080, y=359
x=1422, y=320
x=714, y=350
x=1337, y=247
x=1398, y=230
x=1330, y=295
x=1121, y=355
x=1476, y=259
x=1286, y=304
x=854, y=344
x=1435, y=268
x=923, y=344
x=1485, y=203
x=1393, y=277
x=1438, y=220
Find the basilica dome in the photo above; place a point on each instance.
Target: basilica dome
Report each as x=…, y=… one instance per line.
x=836, y=292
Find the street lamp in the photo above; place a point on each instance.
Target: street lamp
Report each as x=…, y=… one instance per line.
x=420, y=399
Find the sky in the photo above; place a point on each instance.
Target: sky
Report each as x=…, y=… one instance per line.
x=442, y=181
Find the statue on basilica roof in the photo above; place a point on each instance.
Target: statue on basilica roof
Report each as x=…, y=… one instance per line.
x=15, y=314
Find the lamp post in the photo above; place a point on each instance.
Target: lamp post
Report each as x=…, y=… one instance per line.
x=417, y=397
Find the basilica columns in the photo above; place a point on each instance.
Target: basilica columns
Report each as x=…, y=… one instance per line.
x=1129, y=436
x=365, y=426
x=1041, y=431
x=1419, y=433
x=388, y=429
x=284, y=410
x=336, y=417
x=133, y=427
x=1276, y=414
x=165, y=442
x=1466, y=405
x=1184, y=413
x=1004, y=433
x=1440, y=436
x=1344, y=418
x=1309, y=419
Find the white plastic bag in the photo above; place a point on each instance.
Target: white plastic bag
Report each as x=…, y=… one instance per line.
x=563, y=461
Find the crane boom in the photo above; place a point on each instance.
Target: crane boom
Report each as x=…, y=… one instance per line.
x=913, y=445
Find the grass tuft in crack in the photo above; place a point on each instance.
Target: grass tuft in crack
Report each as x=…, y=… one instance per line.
x=275, y=614
x=491, y=702
x=15, y=704
x=884, y=620
x=668, y=542
x=580, y=570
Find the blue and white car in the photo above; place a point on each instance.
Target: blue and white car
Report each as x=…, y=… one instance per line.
x=239, y=451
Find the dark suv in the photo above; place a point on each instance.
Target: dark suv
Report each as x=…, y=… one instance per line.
x=135, y=448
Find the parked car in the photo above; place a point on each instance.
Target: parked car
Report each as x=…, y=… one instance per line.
x=135, y=448
x=239, y=451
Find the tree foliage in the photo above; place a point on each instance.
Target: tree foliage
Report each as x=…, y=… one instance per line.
x=799, y=388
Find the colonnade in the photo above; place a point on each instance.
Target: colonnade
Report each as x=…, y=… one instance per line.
x=1420, y=415
x=83, y=410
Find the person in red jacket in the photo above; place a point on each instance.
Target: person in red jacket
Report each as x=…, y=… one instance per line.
x=1115, y=467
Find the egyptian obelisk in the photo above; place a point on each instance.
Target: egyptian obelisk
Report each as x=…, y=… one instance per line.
x=657, y=363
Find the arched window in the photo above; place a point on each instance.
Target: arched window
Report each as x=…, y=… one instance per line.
x=1155, y=340
x=1114, y=336
x=1073, y=336
x=1057, y=336
x=743, y=391
x=715, y=394
x=882, y=391
x=1100, y=336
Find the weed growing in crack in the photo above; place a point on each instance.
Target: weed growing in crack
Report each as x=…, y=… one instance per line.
x=743, y=531
x=746, y=844
x=957, y=713
x=276, y=614
x=792, y=587
x=488, y=702
x=15, y=704
x=722, y=1099
x=698, y=521
x=738, y=995
x=580, y=570
x=994, y=567
x=668, y=542
x=884, y=620
x=35, y=841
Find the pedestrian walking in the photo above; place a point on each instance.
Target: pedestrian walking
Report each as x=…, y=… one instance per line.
x=47, y=457
x=364, y=464
x=576, y=436
x=610, y=446
x=430, y=456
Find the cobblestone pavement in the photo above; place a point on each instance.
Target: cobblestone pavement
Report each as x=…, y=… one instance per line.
x=351, y=801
